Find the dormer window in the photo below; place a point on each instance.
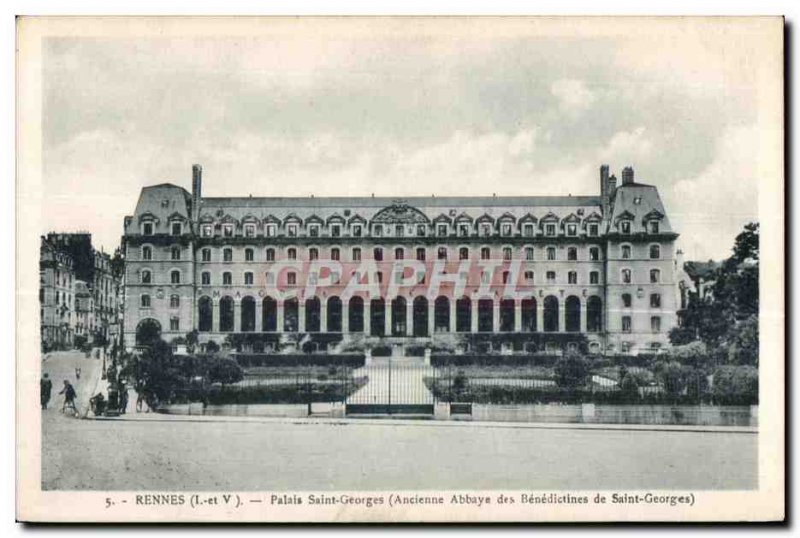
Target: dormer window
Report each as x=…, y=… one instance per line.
x=399, y=230
x=147, y=228
x=177, y=229
x=653, y=226
x=207, y=230
x=463, y=229
x=291, y=230
x=441, y=230
x=572, y=230
x=421, y=230
x=336, y=230
x=594, y=230
x=356, y=230
x=506, y=229
x=313, y=230
x=227, y=230
x=625, y=227
x=550, y=230
x=271, y=230
x=377, y=230
x=249, y=230
x=527, y=230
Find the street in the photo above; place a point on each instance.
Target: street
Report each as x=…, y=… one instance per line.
x=169, y=453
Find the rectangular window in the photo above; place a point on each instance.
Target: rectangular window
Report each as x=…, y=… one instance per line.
x=248, y=279
x=205, y=278
x=572, y=230
x=356, y=230
x=529, y=277
x=420, y=277
x=594, y=254
x=572, y=277
x=248, y=254
x=653, y=226
x=572, y=254
x=176, y=228
x=377, y=230
x=399, y=230
x=271, y=230
x=313, y=230
x=486, y=230
x=594, y=277
x=227, y=230
x=441, y=253
x=551, y=253
x=594, y=230
x=335, y=254
x=505, y=277
x=486, y=277
x=529, y=254
x=270, y=278
x=655, y=300
x=227, y=279
x=336, y=230
x=227, y=255
x=312, y=278
x=626, y=324
x=421, y=254
x=356, y=254
x=463, y=229
x=147, y=228
x=528, y=230
x=377, y=254
x=206, y=255
x=625, y=227
x=207, y=230
x=550, y=229
x=655, y=324
x=551, y=277
x=441, y=230
x=145, y=301
x=421, y=231
x=291, y=230
x=291, y=278
x=506, y=229
x=174, y=324
x=249, y=230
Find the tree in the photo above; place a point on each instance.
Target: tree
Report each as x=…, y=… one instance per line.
x=672, y=377
x=735, y=385
x=191, y=340
x=212, y=347
x=225, y=371
x=571, y=370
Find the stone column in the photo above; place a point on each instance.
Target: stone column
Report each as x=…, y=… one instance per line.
x=474, y=315
x=518, y=315
x=237, y=315
x=259, y=316
x=279, y=317
x=214, y=315
x=301, y=315
x=431, y=318
x=367, y=317
x=409, y=317
x=323, y=315
x=562, y=315
x=584, y=318
x=452, y=315
x=345, y=316
x=540, y=315
x=387, y=328
x=495, y=316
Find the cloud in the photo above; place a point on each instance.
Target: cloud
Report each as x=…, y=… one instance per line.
x=627, y=147
x=711, y=208
x=573, y=96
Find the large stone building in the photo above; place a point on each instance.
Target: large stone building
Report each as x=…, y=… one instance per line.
x=503, y=273
x=56, y=295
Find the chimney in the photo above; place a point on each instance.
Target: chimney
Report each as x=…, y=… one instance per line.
x=604, y=188
x=197, y=188
x=612, y=185
x=627, y=175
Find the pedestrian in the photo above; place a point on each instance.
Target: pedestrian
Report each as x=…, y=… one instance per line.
x=77, y=373
x=139, y=396
x=45, y=388
x=123, y=398
x=69, y=397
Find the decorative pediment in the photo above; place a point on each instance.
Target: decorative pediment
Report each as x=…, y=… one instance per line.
x=228, y=219
x=528, y=218
x=463, y=217
x=271, y=219
x=485, y=218
x=175, y=216
x=400, y=213
x=594, y=217
x=335, y=218
x=550, y=217
x=356, y=219
x=249, y=218
x=206, y=219
x=292, y=218
x=442, y=218
x=653, y=215
x=572, y=217
x=148, y=216
x=625, y=215
x=507, y=217
x=314, y=219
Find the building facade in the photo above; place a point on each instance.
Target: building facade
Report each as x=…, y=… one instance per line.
x=507, y=273
x=56, y=296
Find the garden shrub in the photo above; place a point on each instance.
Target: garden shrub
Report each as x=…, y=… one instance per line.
x=735, y=385
x=571, y=371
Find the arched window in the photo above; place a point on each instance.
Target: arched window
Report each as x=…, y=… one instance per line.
x=270, y=254
x=147, y=277
x=399, y=253
x=312, y=315
x=355, y=315
x=269, y=314
x=485, y=253
x=572, y=314
x=227, y=254
x=248, y=278
x=655, y=252
x=377, y=254
x=377, y=314
x=205, y=278
x=226, y=314
x=313, y=253
x=529, y=315
x=175, y=277
x=594, y=314
x=205, y=254
x=174, y=301
x=551, y=253
x=507, y=315
x=485, y=315
x=334, y=315
x=464, y=315
x=248, y=254
x=291, y=253
x=290, y=315
x=529, y=254
x=421, y=254
x=145, y=301
x=248, y=313
x=441, y=314
x=227, y=278
x=463, y=253
x=175, y=253
x=441, y=253
x=147, y=253
x=507, y=253
x=399, y=321
x=550, y=314
x=420, y=316
x=335, y=254
x=205, y=314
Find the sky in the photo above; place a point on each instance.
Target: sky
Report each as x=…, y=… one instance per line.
x=404, y=109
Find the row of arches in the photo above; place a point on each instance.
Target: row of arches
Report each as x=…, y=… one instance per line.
x=419, y=323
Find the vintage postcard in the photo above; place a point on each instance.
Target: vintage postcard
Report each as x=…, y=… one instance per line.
x=400, y=269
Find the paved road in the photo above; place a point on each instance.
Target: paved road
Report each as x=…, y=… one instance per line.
x=162, y=453
x=407, y=383
x=64, y=365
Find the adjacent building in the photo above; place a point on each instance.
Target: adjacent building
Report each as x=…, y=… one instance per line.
x=532, y=273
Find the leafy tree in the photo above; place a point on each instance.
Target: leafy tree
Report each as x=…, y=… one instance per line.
x=671, y=376
x=191, y=340
x=735, y=385
x=225, y=371
x=629, y=386
x=212, y=347
x=460, y=382
x=571, y=370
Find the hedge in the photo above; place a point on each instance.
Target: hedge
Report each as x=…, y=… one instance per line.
x=287, y=393
x=246, y=360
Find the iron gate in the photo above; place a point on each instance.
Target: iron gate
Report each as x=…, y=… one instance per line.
x=394, y=386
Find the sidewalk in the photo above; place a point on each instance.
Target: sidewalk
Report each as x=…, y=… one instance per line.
x=388, y=421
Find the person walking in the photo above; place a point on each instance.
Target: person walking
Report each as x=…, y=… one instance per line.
x=77, y=373
x=123, y=398
x=45, y=388
x=69, y=397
